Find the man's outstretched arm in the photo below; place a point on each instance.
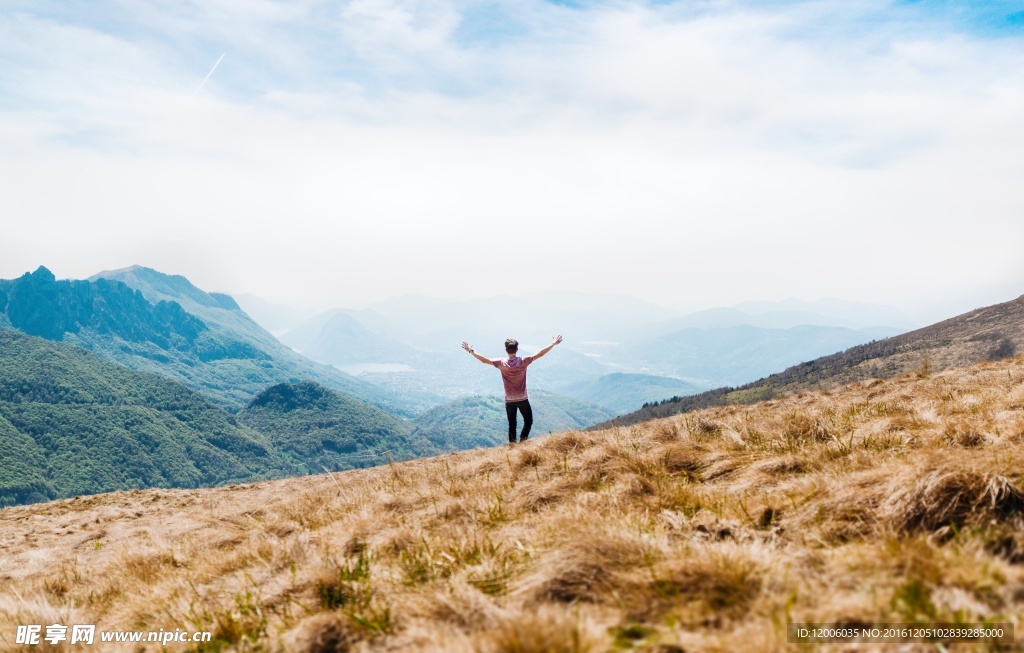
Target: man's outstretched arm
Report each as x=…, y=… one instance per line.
x=483, y=359
x=554, y=342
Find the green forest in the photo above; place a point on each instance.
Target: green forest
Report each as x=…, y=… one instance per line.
x=320, y=430
x=72, y=423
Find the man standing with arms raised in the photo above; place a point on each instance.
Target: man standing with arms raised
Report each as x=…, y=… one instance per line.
x=513, y=375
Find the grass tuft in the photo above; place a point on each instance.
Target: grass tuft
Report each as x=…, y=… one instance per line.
x=928, y=499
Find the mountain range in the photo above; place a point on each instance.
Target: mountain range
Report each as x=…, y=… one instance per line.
x=990, y=333
x=93, y=395
x=163, y=324
x=93, y=377
x=411, y=344
x=736, y=354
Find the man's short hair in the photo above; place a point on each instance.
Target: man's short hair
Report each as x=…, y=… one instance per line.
x=511, y=346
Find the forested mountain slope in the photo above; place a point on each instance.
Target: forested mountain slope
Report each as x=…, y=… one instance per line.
x=320, y=430
x=72, y=423
x=170, y=328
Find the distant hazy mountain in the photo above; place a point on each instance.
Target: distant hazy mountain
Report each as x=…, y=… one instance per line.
x=481, y=421
x=275, y=318
x=342, y=340
x=437, y=366
x=621, y=393
x=410, y=344
x=990, y=333
x=317, y=429
x=302, y=336
x=72, y=423
x=247, y=360
x=738, y=354
x=723, y=318
x=856, y=315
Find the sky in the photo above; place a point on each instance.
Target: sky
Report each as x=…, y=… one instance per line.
x=692, y=153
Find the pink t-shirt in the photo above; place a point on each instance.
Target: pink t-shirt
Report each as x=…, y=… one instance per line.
x=513, y=375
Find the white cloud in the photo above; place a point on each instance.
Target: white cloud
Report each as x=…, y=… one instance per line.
x=698, y=158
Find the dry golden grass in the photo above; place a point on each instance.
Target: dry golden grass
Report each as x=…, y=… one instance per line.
x=885, y=501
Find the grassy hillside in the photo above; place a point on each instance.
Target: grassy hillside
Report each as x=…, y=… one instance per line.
x=320, y=430
x=886, y=501
x=481, y=421
x=991, y=333
x=72, y=423
x=162, y=324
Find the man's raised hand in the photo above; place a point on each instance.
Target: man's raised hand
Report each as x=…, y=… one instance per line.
x=468, y=347
x=557, y=340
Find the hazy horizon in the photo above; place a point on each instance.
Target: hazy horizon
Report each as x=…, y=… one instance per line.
x=919, y=313
x=690, y=154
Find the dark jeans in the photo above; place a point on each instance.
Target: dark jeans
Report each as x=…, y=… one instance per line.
x=523, y=407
